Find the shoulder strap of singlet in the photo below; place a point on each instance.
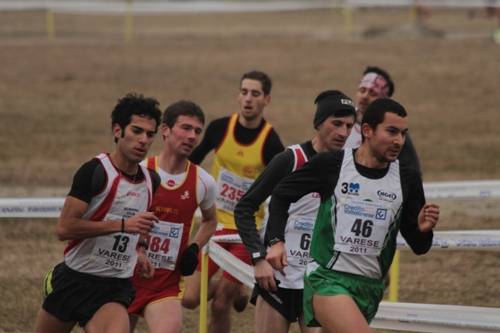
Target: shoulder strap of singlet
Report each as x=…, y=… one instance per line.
x=151, y=163
x=299, y=157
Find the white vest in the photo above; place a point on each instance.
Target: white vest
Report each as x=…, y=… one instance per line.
x=365, y=210
x=298, y=231
x=111, y=255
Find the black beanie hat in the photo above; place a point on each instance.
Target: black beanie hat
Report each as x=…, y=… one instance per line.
x=332, y=103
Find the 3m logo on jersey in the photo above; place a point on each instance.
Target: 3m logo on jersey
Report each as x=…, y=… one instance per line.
x=386, y=195
x=350, y=188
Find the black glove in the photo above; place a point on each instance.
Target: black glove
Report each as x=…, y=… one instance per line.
x=189, y=259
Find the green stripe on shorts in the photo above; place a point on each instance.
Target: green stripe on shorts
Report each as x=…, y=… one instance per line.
x=366, y=292
x=47, y=283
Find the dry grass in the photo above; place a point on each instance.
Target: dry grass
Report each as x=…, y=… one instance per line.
x=56, y=97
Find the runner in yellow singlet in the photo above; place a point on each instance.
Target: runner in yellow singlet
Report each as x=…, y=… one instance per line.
x=243, y=144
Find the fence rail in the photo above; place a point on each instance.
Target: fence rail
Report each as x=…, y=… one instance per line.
x=51, y=207
x=152, y=7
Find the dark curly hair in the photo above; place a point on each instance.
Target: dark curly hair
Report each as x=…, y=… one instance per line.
x=135, y=104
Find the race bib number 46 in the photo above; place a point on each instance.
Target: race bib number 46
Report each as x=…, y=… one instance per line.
x=362, y=227
x=164, y=243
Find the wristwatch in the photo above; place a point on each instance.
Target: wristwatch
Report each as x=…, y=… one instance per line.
x=275, y=240
x=256, y=256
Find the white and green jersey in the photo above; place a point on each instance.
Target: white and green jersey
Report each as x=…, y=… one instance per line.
x=362, y=209
x=359, y=222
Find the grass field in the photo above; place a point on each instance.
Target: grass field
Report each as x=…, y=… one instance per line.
x=56, y=97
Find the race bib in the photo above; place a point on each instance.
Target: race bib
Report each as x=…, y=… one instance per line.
x=164, y=242
x=361, y=227
x=298, y=240
x=116, y=250
x=230, y=189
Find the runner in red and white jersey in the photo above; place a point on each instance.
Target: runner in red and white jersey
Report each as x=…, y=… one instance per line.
x=184, y=187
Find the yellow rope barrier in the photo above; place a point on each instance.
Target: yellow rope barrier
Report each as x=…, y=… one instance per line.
x=203, y=293
x=394, y=278
x=347, y=12
x=51, y=27
x=129, y=23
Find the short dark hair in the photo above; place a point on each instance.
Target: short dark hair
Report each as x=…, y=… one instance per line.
x=182, y=108
x=384, y=74
x=135, y=104
x=376, y=110
x=262, y=77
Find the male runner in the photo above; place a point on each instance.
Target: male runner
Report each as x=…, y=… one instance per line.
x=367, y=196
x=244, y=143
x=103, y=217
x=279, y=306
x=377, y=83
x=184, y=187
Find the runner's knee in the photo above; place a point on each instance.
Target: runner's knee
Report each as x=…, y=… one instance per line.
x=190, y=302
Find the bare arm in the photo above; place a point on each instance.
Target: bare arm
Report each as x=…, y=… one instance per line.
x=207, y=227
x=71, y=225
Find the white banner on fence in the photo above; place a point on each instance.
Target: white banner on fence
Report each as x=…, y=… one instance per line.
x=159, y=7
x=463, y=189
x=428, y=3
x=487, y=240
x=31, y=207
x=50, y=207
x=395, y=316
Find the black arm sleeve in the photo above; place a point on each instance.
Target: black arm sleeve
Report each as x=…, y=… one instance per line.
x=212, y=139
x=413, y=201
x=409, y=155
x=272, y=146
x=88, y=181
x=244, y=213
x=320, y=175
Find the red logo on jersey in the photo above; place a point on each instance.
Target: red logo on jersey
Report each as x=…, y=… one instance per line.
x=170, y=182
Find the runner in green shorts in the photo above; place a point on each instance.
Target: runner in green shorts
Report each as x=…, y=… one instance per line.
x=367, y=196
x=366, y=292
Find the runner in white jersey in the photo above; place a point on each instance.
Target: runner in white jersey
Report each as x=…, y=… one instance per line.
x=377, y=83
x=279, y=306
x=102, y=218
x=367, y=196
